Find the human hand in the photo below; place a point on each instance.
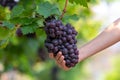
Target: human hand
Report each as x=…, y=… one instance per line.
x=59, y=58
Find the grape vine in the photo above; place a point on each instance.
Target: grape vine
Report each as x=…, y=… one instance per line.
x=64, y=10
x=22, y=31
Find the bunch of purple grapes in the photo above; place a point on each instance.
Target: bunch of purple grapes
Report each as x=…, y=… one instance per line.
x=9, y=3
x=61, y=38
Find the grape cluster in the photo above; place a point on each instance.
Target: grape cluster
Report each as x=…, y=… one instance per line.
x=61, y=38
x=8, y=3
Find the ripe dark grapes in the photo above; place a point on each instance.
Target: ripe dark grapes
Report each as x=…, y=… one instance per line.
x=8, y=3
x=19, y=32
x=61, y=38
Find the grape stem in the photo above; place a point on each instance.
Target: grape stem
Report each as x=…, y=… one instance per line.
x=17, y=25
x=64, y=10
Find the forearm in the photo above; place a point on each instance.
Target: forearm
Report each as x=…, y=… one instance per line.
x=108, y=37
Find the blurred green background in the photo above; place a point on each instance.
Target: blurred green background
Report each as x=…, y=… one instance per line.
x=26, y=58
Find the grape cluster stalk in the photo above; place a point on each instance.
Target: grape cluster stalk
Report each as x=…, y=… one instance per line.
x=62, y=38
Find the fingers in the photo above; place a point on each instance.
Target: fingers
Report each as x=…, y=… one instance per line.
x=63, y=66
x=58, y=55
x=59, y=60
x=51, y=55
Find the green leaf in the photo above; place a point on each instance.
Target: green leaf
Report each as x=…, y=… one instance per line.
x=17, y=10
x=29, y=28
x=23, y=21
x=3, y=43
x=4, y=33
x=2, y=13
x=40, y=22
x=8, y=25
x=81, y=2
x=28, y=4
x=29, y=7
x=46, y=9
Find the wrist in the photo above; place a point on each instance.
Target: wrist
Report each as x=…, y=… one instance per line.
x=82, y=55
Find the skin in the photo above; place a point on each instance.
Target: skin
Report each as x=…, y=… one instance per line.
x=105, y=39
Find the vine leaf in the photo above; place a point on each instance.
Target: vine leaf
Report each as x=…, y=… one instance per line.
x=40, y=22
x=8, y=25
x=29, y=28
x=3, y=43
x=2, y=13
x=23, y=21
x=4, y=33
x=17, y=10
x=46, y=9
x=81, y=2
